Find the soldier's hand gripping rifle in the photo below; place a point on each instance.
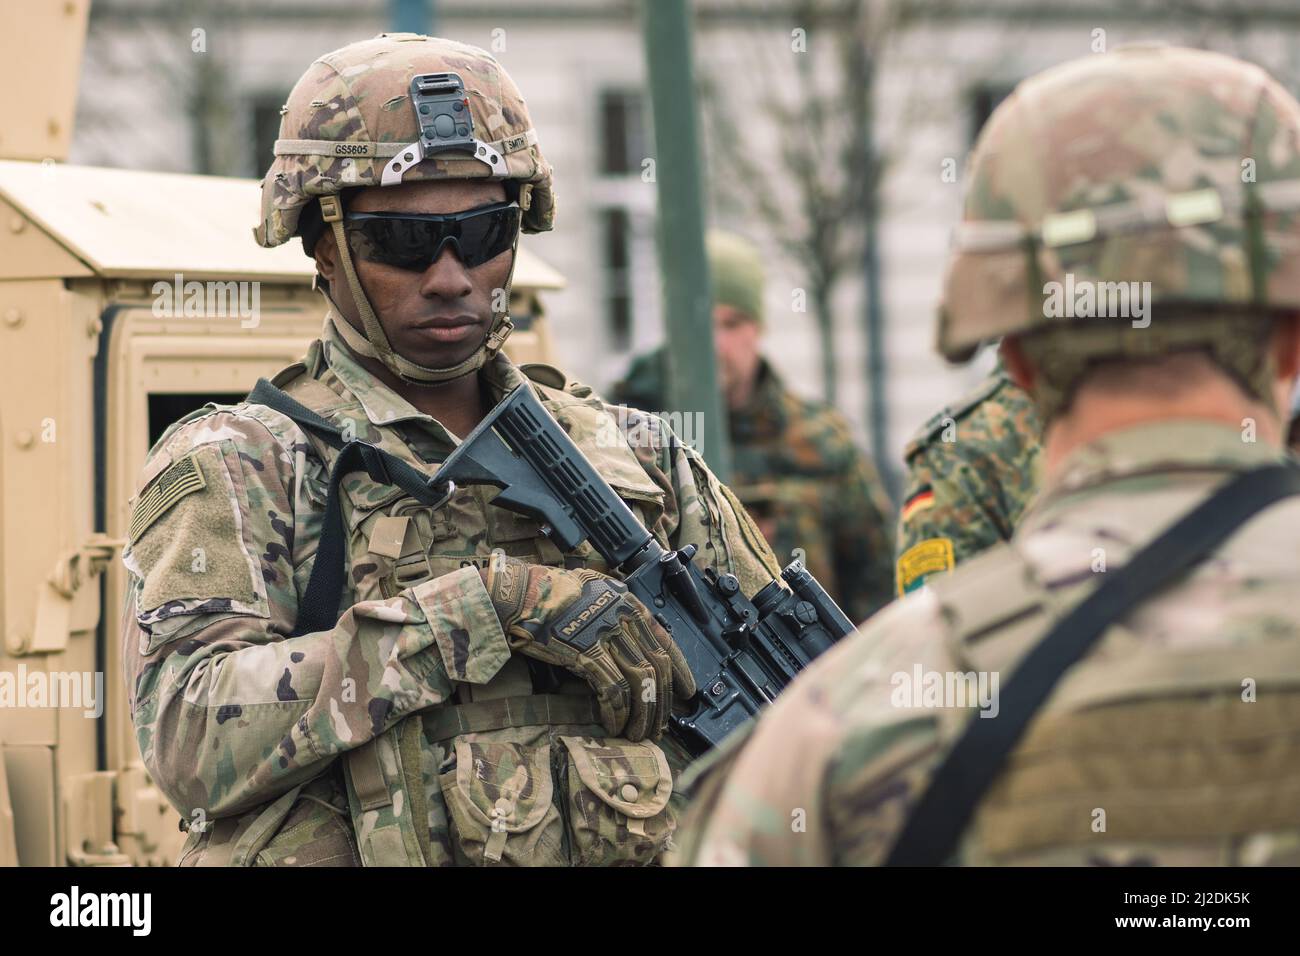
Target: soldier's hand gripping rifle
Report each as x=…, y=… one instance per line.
x=741, y=650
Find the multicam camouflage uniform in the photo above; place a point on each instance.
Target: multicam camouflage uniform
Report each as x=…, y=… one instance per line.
x=800, y=475
x=407, y=734
x=971, y=471
x=1181, y=723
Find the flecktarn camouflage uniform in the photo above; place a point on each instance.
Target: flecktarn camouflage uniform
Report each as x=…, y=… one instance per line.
x=1175, y=738
x=813, y=493
x=795, y=466
x=971, y=471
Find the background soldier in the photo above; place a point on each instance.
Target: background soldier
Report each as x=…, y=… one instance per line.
x=1173, y=739
x=971, y=471
x=794, y=463
x=441, y=719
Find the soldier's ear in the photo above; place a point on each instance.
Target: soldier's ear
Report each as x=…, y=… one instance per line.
x=326, y=253
x=1286, y=346
x=1019, y=368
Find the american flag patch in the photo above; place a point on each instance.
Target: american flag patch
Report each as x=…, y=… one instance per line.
x=171, y=486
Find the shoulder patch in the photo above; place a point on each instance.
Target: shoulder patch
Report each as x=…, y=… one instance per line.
x=187, y=540
x=931, y=556
x=182, y=478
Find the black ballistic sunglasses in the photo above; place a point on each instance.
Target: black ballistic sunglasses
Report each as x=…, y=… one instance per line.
x=414, y=241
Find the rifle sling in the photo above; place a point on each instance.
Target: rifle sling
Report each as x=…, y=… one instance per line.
x=933, y=831
x=318, y=610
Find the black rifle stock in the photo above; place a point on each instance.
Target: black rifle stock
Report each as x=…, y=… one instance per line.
x=742, y=651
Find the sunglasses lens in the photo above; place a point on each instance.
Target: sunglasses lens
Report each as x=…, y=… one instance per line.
x=405, y=243
x=487, y=235
x=413, y=242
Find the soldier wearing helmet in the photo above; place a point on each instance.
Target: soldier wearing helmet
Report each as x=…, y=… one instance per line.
x=444, y=718
x=1168, y=736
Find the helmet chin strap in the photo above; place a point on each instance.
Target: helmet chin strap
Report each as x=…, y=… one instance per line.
x=374, y=343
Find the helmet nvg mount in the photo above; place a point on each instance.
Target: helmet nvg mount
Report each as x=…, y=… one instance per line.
x=396, y=109
x=446, y=125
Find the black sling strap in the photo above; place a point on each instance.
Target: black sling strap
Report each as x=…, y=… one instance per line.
x=933, y=830
x=318, y=610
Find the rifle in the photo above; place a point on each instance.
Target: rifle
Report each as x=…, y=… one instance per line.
x=742, y=651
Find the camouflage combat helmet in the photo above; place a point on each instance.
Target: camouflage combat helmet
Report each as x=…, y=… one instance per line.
x=1174, y=167
x=351, y=121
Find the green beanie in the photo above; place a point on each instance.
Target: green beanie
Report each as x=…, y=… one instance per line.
x=736, y=269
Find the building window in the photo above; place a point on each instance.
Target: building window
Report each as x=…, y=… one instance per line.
x=615, y=229
x=623, y=133
x=983, y=101
x=625, y=204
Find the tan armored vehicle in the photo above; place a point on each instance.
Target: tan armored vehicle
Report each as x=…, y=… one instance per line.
x=126, y=299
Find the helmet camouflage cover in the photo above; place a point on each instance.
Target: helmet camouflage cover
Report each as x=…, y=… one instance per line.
x=350, y=113
x=1161, y=165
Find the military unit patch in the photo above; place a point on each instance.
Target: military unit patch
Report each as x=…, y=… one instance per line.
x=181, y=479
x=931, y=556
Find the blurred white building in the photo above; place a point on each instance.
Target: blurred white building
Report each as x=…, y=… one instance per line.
x=156, y=94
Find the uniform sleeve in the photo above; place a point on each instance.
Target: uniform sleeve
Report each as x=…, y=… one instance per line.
x=831, y=770
x=943, y=520
x=229, y=709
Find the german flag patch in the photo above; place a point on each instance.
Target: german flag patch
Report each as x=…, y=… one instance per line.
x=183, y=478
x=924, y=498
x=931, y=556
